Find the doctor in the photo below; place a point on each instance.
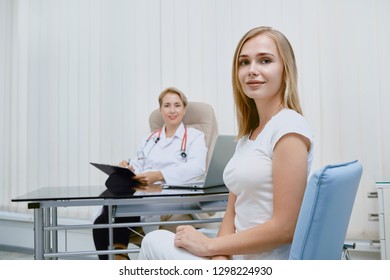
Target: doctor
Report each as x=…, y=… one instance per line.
x=173, y=154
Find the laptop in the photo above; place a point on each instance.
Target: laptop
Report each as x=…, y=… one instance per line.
x=224, y=149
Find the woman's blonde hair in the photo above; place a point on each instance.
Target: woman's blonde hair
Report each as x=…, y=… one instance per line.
x=247, y=115
x=175, y=91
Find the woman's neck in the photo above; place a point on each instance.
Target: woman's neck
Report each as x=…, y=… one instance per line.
x=170, y=130
x=265, y=115
x=268, y=108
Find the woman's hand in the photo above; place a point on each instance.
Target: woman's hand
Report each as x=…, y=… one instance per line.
x=187, y=237
x=149, y=177
x=125, y=164
x=220, y=258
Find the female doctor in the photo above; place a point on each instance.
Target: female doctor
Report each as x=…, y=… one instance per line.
x=174, y=154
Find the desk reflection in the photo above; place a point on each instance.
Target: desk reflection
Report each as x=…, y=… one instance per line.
x=160, y=190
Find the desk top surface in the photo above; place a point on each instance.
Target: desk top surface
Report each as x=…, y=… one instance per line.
x=101, y=192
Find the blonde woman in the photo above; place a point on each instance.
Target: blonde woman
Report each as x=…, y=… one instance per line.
x=268, y=173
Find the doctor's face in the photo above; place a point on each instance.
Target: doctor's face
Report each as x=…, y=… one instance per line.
x=172, y=110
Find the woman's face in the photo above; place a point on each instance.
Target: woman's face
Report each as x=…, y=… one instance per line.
x=260, y=68
x=172, y=109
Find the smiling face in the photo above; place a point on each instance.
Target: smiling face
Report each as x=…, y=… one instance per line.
x=172, y=110
x=260, y=69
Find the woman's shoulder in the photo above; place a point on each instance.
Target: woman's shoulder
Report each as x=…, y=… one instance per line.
x=290, y=121
x=194, y=131
x=289, y=113
x=289, y=117
x=194, y=134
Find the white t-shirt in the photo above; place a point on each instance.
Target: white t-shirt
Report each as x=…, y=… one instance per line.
x=249, y=175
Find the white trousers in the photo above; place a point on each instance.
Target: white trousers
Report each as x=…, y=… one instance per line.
x=159, y=245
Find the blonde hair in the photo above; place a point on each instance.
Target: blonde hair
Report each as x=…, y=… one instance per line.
x=247, y=115
x=175, y=91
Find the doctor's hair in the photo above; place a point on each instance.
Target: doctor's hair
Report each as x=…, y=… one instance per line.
x=247, y=115
x=174, y=91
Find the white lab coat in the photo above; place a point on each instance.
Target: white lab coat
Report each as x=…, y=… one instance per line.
x=165, y=156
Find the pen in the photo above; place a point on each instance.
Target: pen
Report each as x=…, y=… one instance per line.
x=128, y=161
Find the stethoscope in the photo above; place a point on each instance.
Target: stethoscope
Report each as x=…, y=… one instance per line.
x=157, y=132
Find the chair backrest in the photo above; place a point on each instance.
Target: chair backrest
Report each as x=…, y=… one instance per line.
x=325, y=212
x=198, y=115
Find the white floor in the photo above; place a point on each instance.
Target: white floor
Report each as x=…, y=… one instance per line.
x=11, y=253
x=6, y=255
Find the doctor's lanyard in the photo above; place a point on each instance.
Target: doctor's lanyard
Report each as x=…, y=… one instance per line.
x=183, y=146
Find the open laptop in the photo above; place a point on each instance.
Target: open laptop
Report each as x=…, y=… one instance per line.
x=224, y=149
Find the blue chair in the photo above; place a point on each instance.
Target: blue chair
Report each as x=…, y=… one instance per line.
x=325, y=212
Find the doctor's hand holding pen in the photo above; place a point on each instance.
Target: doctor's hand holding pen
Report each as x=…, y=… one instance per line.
x=126, y=164
x=144, y=178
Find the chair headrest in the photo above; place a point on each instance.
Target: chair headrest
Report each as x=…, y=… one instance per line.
x=198, y=115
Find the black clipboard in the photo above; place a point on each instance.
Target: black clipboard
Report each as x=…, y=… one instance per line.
x=120, y=179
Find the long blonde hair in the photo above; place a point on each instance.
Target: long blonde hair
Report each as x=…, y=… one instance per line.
x=246, y=110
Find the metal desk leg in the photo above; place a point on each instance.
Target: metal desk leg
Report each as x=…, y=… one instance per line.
x=38, y=234
x=46, y=233
x=54, y=235
x=110, y=233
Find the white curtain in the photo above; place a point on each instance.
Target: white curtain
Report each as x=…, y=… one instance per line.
x=78, y=79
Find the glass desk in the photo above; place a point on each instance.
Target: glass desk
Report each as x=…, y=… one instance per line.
x=151, y=200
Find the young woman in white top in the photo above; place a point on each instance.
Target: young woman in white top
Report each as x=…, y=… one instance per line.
x=173, y=154
x=268, y=173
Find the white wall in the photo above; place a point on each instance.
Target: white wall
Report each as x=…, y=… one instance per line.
x=78, y=79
